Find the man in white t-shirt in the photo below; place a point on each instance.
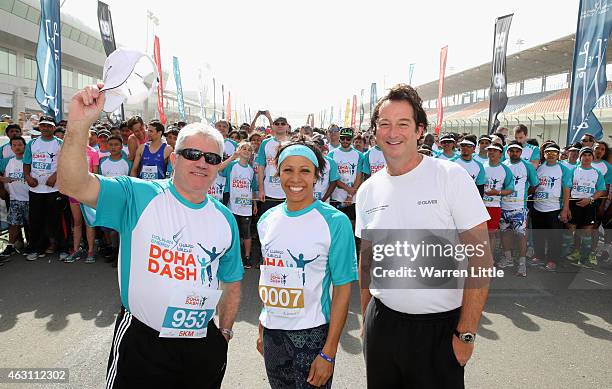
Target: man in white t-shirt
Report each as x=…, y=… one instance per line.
x=414, y=193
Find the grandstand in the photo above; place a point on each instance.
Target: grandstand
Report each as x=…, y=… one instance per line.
x=538, y=82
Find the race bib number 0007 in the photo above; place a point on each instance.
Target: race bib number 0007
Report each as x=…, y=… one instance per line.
x=281, y=290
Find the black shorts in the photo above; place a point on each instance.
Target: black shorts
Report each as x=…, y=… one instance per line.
x=583, y=216
x=244, y=226
x=139, y=358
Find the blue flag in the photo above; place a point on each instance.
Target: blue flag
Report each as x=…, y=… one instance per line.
x=589, y=68
x=179, y=88
x=49, y=60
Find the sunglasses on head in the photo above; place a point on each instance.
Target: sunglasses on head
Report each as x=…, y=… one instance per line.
x=279, y=123
x=195, y=155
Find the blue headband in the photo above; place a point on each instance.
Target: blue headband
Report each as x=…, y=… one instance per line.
x=298, y=151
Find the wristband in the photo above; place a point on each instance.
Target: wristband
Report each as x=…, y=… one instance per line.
x=327, y=357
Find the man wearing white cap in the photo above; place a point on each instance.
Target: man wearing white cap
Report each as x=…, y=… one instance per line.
x=514, y=207
x=473, y=167
x=572, y=156
x=448, y=148
x=499, y=182
x=484, y=141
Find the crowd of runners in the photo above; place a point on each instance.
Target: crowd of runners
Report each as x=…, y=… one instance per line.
x=180, y=208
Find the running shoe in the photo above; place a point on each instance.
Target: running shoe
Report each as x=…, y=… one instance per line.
x=74, y=256
x=32, y=256
x=551, y=267
x=8, y=251
x=522, y=270
x=62, y=255
x=574, y=256
x=91, y=258
x=505, y=263
x=535, y=262
x=530, y=252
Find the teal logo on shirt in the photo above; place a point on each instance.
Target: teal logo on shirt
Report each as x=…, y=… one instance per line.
x=206, y=270
x=301, y=263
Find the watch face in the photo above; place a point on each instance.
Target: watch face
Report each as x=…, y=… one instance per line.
x=467, y=338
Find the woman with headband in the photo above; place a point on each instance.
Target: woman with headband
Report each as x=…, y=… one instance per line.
x=309, y=263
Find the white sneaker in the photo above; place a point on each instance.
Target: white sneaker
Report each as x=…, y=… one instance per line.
x=521, y=270
x=530, y=252
x=505, y=263
x=32, y=256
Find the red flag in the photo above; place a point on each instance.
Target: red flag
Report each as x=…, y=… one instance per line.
x=441, y=88
x=160, y=86
x=354, y=111
x=228, y=109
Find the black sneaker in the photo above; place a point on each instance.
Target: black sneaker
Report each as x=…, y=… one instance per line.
x=8, y=251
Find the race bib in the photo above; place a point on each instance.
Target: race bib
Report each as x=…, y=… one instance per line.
x=148, y=172
x=281, y=290
x=540, y=195
x=189, y=312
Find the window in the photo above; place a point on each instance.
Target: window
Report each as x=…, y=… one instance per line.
x=74, y=34
x=7, y=5
x=67, y=78
x=33, y=15
x=533, y=85
x=20, y=9
x=29, y=68
x=84, y=80
x=8, y=62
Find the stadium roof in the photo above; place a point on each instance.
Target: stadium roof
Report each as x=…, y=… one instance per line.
x=549, y=58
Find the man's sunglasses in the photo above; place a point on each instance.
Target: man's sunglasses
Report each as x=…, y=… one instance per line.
x=280, y=123
x=195, y=155
x=346, y=138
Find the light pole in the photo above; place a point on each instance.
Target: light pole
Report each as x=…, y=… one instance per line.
x=151, y=17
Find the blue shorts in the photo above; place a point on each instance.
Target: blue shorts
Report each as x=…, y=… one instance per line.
x=515, y=220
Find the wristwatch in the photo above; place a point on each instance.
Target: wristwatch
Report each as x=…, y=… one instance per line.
x=228, y=332
x=466, y=337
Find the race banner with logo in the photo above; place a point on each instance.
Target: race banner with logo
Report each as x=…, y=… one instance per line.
x=106, y=28
x=354, y=112
x=443, y=54
x=179, y=88
x=410, y=73
x=498, y=97
x=589, y=80
x=49, y=60
x=373, y=98
x=347, y=112
x=160, y=86
x=361, y=110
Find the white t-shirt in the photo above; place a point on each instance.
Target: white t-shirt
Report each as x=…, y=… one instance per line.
x=13, y=168
x=115, y=168
x=474, y=169
x=7, y=151
x=217, y=188
x=446, y=199
x=327, y=175
x=443, y=156
x=552, y=179
x=476, y=157
x=524, y=176
x=373, y=161
x=168, y=245
x=585, y=182
x=240, y=183
x=568, y=165
x=605, y=169
x=265, y=157
x=349, y=165
x=498, y=177
x=42, y=155
x=305, y=253
x=530, y=153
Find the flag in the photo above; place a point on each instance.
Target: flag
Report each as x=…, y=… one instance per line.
x=373, y=98
x=106, y=28
x=589, y=80
x=223, y=102
x=361, y=110
x=228, y=108
x=410, y=72
x=49, y=60
x=179, y=88
x=498, y=97
x=202, y=97
x=214, y=102
x=160, y=86
x=443, y=53
x=347, y=111
x=354, y=111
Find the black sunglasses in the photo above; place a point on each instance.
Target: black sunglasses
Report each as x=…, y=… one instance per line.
x=195, y=155
x=279, y=123
x=346, y=138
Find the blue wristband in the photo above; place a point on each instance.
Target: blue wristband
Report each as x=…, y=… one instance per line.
x=327, y=357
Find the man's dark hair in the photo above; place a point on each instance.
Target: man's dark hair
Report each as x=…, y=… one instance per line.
x=159, y=127
x=19, y=138
x=11, y=127
x=521, y=128
x=232, y=133
x=402, y=92
x=243, y=134
x=117, y=138
x=133, y=120
x=605, y=145
x=502, y=136
x=302, y=140
x=123, y=124
x=471, y=138
x=533, y=142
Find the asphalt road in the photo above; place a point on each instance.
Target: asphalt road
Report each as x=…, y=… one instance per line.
x=62, y=315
